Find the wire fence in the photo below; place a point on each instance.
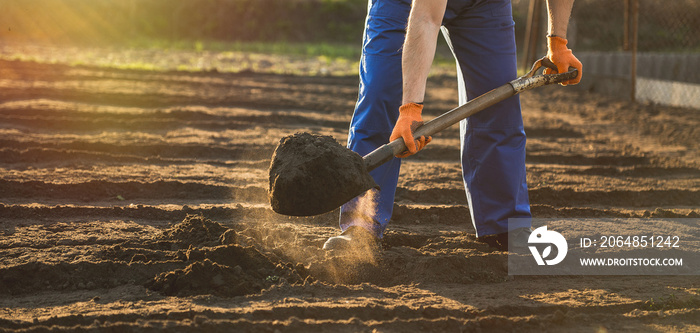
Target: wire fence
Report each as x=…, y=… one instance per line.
x=646, y=49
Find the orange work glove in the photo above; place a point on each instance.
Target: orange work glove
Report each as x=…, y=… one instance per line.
x=563, y=58
x=409, y=120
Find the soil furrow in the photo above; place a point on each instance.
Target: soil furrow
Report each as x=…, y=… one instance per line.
x=191, y=151
x=618, y=198
x=452, y=154
x=578, y=159
x=32, y=277
x=104, y=190
x=173, y=95
x=404, y=214
x=63, y=157
x=58, y=122
x=568, y=197
x=100, y=190
x=640, y=171
x=52, y=214
x=421, y=321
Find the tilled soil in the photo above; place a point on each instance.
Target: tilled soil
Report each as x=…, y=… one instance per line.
x=137, y=200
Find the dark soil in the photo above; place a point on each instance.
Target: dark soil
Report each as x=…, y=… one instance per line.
x=227, y=270
x=135, y=201
x=314, y=174
x=195, y=230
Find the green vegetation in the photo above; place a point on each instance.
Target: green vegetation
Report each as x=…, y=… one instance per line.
x=267, y=57
x=119, y=21
x=597, y=25
x=278, y=36
x=333, y=51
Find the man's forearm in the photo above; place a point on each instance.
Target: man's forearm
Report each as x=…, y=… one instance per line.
x=557, y=51
x=419, y=47
x=559, y=13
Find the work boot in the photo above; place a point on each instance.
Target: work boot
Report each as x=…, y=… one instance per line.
x=518, y=240
x=354, y=239
x=514, y=241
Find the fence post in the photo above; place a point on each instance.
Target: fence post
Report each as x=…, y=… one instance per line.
x=626, y=28
x=532, y=31
x=635, y=35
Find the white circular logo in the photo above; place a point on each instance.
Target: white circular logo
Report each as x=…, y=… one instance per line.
x=543, y=236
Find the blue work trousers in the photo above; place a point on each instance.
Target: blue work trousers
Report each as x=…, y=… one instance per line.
x=481, y=36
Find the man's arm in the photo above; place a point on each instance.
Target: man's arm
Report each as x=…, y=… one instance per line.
x=419, y=48
x=418, y=52
x=557, y=52
x=559, y=14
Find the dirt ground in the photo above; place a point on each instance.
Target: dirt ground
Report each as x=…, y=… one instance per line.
x=137, y=201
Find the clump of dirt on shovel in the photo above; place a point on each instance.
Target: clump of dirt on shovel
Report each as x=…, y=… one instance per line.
x=313, y=174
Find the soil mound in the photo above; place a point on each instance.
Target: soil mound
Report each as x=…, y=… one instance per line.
x=198, y=231
x=313, y=174
x=208, y=277
x=226, y=270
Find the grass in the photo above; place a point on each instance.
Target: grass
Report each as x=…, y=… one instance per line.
x=349, y=52
x=329, y=50
x=164, y=55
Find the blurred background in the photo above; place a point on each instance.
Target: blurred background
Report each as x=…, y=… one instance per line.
x=646, y=49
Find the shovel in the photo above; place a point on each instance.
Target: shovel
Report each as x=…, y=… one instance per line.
x=312, y=174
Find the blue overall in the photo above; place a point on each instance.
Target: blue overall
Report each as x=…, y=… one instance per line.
x=481, y=36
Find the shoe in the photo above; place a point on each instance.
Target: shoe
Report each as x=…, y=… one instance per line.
x=518, y=240
x=495, y=241
x=354, y=239
x=514, y=241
